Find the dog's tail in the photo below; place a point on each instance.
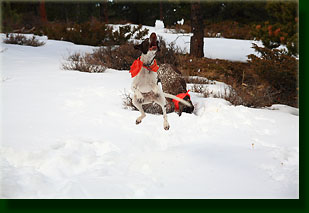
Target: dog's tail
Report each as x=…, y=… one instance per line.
x=167, y=95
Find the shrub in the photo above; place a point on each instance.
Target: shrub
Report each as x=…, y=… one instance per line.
x=204, y=91
x=212, y=69
x=83, y=63
x=279, y=71
x=197, y=80
x=228, y=29
x=255, y=95
x=140, y=34
x=283, y=29
x=168, y=53
x=239, y=95
x=250, y=85
x=272, y=36
x=120, y=57
x=199, y=88
x=93, y=33
x=88, y=33
x=127, y=101
x=22, y=40
x=124, y=33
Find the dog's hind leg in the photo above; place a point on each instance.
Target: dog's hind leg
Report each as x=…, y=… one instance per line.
x=139, y=106
x=161, y=101
x=166, y=124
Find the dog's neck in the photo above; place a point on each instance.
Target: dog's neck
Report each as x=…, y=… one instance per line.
x=148, y=58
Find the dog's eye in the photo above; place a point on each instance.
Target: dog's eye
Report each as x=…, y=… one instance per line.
x=145, y=51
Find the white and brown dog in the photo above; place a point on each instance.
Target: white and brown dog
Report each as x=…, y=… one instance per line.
x=144, y=85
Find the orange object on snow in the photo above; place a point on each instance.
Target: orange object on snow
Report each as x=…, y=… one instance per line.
x=138, y=64
x=182, y=96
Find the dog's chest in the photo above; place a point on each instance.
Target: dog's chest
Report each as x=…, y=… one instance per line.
x=146, y=80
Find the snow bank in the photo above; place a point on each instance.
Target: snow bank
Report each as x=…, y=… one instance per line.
x=65, y=134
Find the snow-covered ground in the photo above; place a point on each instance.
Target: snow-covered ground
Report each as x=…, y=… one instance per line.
x=65, y=134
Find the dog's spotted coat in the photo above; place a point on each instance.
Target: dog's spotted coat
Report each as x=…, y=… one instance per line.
x=145, y=83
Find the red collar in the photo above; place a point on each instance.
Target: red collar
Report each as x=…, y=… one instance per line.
x=138, y=64
x=182, y=96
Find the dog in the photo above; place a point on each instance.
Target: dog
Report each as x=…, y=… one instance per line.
x=145, y=84
x=173, y=83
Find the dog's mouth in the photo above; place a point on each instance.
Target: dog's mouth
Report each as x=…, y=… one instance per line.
x=152, y=48
x=153, y=45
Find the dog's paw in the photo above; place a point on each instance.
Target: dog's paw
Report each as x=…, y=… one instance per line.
x=138, y=121
x=167, y=127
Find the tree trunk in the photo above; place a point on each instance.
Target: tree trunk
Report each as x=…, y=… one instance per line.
x=66, y=12
x=161, y=11
x=104, y=12
x=197, y=28
x=43, y=11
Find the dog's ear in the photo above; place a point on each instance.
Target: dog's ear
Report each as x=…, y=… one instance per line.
x=137, y=47
x=144, y=46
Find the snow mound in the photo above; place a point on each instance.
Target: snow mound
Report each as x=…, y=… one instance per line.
x=159, y=25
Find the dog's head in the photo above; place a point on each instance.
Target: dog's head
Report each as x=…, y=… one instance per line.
x=149, y=47
x=188, y=109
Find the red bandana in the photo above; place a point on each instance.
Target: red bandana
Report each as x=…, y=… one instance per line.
x=138, y=64
x=182, y=96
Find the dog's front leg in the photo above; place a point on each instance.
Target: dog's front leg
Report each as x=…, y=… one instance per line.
x=139, y=106
x=137, y=101
x=137, y=94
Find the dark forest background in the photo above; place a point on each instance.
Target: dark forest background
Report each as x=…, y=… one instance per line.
x=245, y=13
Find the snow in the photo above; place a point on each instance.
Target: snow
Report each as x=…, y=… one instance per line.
x=159, y=25
x=215, y=88
x=181, y=22
x=65, y=134
x=284, y=108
